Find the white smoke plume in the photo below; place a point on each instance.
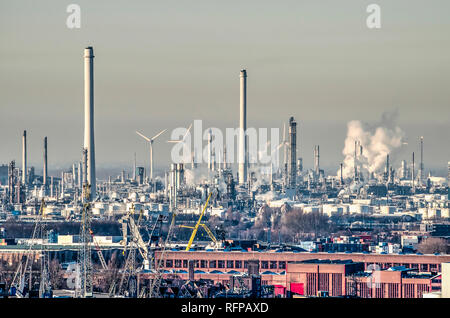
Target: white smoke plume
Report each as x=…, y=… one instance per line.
x=377, y=141
x=266, y=197
x=196, y=176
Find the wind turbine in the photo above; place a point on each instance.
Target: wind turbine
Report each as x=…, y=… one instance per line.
x=150, y=140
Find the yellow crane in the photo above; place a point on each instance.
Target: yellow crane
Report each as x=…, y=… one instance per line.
x=195, y=228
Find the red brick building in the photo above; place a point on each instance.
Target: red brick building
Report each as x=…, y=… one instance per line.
x=338, y=274
x=276, y=262
x=309, y=277
x=346, y=278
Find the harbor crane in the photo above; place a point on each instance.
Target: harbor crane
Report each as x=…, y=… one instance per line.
x=99, y=252
x=18, y=282
x=128, y=284
x=197, y=225
x=156, y=281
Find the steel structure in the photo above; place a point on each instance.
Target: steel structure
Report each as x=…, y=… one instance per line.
x=195, y=228
x=156, y=282
x=99, y=252
x=128, y=284
x=84, y=286
x=18, y=281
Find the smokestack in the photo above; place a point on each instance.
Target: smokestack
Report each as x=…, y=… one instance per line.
x=354, y=163
x=342, y=174
x=243, y=128
x=225, y=166
x=74, y=174
x=386, y=169
x=421, y=172
x=141, y=175
x=300, y=164
x=80, y=177
x=134, y=168
x=403, y=170
x=44, y=175
x=89, y=117
x=293, y=151
x=316, y=160
x=285, y=154
x=173, y=186
x=412, y=174
x=210, y=165
x=24, y=157
x=62, y=184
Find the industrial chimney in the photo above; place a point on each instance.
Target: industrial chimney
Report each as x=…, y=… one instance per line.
x=292, y=152
x=80, y=176
x=317, y=160
x=89, y=117
x=412, y=174
x=45, y=175
x=421, y=172
x=24, y=157
x=355, y=167
x=243, y=128
x=386, y=169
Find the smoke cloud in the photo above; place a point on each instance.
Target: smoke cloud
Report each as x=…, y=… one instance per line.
x=377, y=142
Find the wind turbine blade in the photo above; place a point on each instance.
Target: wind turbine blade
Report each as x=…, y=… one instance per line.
x=187, y=132
x=159, y=134
x=182, y=140
x=278, y=147
x=146, y=138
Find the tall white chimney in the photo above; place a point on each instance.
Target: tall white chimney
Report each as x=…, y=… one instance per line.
x=243, y=128
x=24, y=157
x=89, y=117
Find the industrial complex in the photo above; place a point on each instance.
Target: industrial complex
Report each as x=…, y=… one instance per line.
x=225, y=226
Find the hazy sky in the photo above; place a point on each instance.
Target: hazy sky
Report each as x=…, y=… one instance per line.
x=162, y=64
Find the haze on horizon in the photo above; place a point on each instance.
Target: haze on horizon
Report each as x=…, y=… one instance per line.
x=162, y=64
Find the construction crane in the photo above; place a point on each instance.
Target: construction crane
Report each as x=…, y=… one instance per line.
x=207, y=230
x=128, y=279
x=155, y=234
x=156, y=282
x=18, y=281
x=195, y=228
x=99, y=252
x=136, y=235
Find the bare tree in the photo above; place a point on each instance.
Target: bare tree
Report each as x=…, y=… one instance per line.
x=433, y=245
x=56, y=274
